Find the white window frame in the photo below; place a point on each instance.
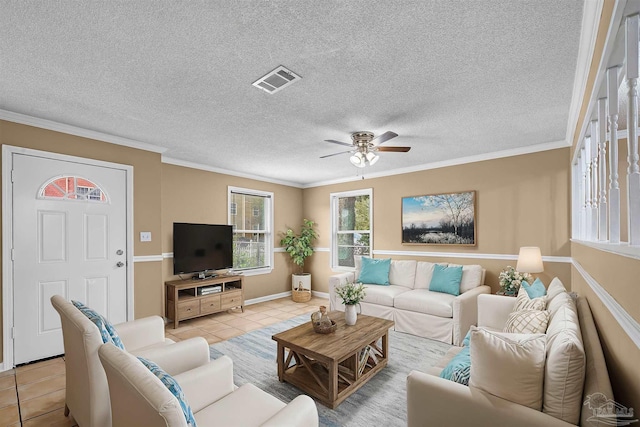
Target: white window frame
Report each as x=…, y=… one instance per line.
x=268, y=222
x=334, y=197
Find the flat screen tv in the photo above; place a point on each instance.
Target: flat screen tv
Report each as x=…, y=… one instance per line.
x=201, y=248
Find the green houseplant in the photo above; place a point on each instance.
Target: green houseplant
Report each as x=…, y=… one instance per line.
x=300, y=247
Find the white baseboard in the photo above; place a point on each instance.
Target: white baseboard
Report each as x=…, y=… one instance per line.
x=2, y=368
x=267, y=298
x=320, y=294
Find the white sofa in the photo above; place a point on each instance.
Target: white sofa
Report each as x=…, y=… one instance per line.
x=409, y=303
x=434, y=401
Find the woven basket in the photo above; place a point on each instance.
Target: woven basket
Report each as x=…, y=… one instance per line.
x=301, y=296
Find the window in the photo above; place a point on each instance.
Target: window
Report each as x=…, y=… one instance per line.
x=72, y=188
x=351, y=215
x=251, y=214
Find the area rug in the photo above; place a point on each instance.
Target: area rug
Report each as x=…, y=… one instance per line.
x=380, y=402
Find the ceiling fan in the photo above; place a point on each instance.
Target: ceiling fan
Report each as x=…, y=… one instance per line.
x=364, y=147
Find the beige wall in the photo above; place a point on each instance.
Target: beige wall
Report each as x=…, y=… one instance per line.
x=191, y=195
x=618, y=275
x=521, y=201
x=615, y=273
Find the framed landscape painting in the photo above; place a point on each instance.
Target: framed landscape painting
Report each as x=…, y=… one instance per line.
x=439, y=219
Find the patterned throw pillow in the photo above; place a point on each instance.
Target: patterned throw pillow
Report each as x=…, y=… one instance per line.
x=523, y=302
x=459, y=368
x=527, y=322
x=175, y=389
x=107, y=331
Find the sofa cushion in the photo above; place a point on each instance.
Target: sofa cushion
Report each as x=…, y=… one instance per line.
x=375, y=271
x=424, y=273
x=559, y=301
x=523, y=302
x=566, y=364
x=446, y=279
x=383, y=295
x=425, y=301
x=471, y=276
x=536, y=289
x=508, y=366
x=527, y=322
x=403, y=273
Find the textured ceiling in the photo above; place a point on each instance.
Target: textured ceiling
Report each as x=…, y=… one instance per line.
x=452, y=78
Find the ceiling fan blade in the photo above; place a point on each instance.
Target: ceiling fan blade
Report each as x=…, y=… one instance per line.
x=333, y=141
x=394, y=149
x=383, y=138
x=335, y=154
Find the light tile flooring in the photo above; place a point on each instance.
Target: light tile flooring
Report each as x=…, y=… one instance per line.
x=33, y=395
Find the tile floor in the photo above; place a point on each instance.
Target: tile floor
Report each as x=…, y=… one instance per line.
x=33, y=395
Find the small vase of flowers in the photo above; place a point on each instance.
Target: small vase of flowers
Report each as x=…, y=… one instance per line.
x=351, y=294
x=511, y=279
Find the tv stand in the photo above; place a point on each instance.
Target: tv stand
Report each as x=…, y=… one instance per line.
x=187, y=299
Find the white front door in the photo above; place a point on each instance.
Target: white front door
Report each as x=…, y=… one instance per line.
x=69, y=238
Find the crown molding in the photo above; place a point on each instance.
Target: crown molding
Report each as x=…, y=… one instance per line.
x=24, y=119
x=529, y=149
x=194, y=165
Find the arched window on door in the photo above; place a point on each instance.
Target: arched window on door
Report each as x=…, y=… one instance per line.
x=72, y=188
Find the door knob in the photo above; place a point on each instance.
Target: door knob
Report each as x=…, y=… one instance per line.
x=120, y=264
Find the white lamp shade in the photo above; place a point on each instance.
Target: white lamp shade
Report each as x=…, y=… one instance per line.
x=372, y=158
x=357, y=160
x=530, y=260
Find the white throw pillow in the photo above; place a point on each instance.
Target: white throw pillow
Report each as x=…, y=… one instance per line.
x=555, y=288
x=527, y=322
x=510, y=367
x=523, y=302
x=559, y=301
x=471, y=276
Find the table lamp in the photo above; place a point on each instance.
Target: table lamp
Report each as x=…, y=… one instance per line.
x=530, y=260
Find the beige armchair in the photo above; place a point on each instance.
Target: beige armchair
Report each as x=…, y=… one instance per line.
x=87, y=392
x=139, y=398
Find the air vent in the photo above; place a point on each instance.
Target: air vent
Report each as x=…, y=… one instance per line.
x=276, y=80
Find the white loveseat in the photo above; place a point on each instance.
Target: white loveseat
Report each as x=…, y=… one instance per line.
x=575, y=377
x=409, y=303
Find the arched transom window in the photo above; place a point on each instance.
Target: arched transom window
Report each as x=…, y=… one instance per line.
x=72, y=188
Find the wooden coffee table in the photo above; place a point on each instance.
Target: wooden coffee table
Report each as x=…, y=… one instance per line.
x=330, y=367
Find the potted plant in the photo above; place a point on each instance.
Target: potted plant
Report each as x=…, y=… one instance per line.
x=351, y=294
x=300, y=247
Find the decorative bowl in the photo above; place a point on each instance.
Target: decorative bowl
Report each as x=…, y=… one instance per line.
x=327, y=330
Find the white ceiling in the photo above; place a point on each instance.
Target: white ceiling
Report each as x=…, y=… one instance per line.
x=452, y=78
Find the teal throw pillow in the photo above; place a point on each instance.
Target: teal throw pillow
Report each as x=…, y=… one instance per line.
x=446, y=279
x=459, y=368
x=467, y=339
x=375, y=271
x=536, y=290
x=107, y=331
x=171, y=384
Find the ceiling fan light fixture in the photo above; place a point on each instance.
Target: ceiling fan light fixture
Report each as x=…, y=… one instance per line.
x=372, y=158
x=357, y=160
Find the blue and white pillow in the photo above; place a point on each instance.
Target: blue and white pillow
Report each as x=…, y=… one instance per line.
x=459, y=368
x=107, y=331
x=175, y=389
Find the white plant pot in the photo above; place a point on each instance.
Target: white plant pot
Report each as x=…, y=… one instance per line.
x=301, y=282
x=350, y=314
